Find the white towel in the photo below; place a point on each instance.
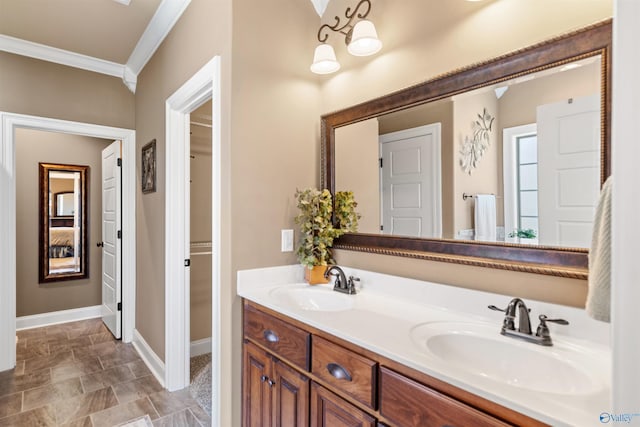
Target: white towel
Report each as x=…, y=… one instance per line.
x=599, y=292
x=486, y=217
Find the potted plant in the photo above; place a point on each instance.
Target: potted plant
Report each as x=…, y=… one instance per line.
x=524, y=235
x=317, y=229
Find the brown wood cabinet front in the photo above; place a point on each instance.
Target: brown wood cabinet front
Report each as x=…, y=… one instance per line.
x=286, y=341
x=274, y=394
x=330, y=410
x=407, y=403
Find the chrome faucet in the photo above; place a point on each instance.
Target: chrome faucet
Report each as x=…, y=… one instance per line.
x=341, y=284
x=517, y=306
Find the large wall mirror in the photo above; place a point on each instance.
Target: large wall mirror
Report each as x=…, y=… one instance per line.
x=499, y=164
x=63, y=222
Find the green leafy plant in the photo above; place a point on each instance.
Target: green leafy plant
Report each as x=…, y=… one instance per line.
x=317, y=230
x=528, y=233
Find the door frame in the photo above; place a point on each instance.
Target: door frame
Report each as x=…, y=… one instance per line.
x=204, y=85
x=8, y=124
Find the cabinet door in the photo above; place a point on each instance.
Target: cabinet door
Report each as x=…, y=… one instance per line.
x=330, y=410
x=291, y=397
x=256, y=390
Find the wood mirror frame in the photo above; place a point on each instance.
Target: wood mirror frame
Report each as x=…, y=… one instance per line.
x=556, y=261
x=47, y=221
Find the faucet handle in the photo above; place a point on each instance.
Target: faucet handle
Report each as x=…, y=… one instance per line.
x=494, y=308
x=351, y=286
x=543, y=318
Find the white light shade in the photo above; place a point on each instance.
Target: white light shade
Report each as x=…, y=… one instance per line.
x=324, y=60
x=364, y=39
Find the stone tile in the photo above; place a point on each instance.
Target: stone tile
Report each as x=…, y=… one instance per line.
x=25, y=351
x=51, y=393
x=122, y=354
x=137, y=389
x=31, y=333
x=203, y=416
x=106, y=378
x=85, y=404
x=97, y=350
x=86, y=329
x=183, y=419
x=10, y=373
x=15, y=383
x=81, y=422
x=10, y=404
x=19, y=369
x=85, y=366
x=69, y=344
x=167, y=403
x=123, y=413
x=41, y=417
x=45, y=362
x=50, y=338
x=139, y=369
x=101, y=337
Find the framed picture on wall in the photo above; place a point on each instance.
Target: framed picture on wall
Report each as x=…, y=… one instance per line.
x=149, y=167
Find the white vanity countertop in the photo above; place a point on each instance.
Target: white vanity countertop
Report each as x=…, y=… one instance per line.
x=389, y=312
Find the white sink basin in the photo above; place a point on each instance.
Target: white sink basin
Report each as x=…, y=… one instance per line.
x=480, y=351
x=313, y=298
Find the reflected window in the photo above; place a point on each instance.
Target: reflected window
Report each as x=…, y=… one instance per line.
x=527, y=175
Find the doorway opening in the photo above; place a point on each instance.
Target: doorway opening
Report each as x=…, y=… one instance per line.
x=202, y=87
x=9, y=123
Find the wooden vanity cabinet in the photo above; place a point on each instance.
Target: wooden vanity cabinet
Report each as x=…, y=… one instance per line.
x=330, y=410
x=295, y=375
x=274, y=393
x=408, y=403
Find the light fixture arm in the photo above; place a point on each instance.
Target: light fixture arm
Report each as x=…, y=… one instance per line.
x=350, y=16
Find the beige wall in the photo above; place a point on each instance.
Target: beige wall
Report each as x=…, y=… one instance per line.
x=487, y=177
x=33, y=147
x=433, y=38
x=357, y=170
x=39, y=88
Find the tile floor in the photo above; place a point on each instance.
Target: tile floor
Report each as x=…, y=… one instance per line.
x=76, y=374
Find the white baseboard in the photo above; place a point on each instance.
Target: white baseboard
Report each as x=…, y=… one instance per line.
x=150, y=358
x=200, y=347
x=55, y=317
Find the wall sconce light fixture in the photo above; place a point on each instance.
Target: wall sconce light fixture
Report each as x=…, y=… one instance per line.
x=361, y=39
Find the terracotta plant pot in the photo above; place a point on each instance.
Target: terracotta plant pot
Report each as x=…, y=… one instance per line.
x=315, y=275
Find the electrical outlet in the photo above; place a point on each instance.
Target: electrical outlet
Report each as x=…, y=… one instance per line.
x=287, y=241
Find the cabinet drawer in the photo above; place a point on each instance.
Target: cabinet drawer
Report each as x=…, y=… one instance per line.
x=344, y=369
x=408, y=403
x=286, y=341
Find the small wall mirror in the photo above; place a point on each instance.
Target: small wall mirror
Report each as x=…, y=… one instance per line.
x=63, y=222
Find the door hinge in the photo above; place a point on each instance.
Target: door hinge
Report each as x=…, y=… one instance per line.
x=187, y=262
x=120, y=162
x=119, y=306
x=381, y=227
x=119, y=234
x=380, y=161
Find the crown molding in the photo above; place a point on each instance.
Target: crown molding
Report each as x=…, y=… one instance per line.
x=59, y=56
x=159, y=27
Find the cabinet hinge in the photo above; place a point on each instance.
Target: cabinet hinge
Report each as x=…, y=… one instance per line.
x=187, y=262
x=380, y=161
x=119, y=306
x=119, y=234
x=120, y=162
x=381, y=227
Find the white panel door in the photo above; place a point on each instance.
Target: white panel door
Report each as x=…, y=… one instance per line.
x=568, y=170
x=410, y=182
x=111, y=243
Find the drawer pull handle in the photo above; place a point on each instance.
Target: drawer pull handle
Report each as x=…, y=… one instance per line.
x=338, y=372
x=271, y=336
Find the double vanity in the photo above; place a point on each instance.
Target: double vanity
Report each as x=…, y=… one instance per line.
x=402, y=352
